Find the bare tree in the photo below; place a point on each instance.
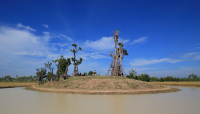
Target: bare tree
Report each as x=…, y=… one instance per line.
x=119, y=52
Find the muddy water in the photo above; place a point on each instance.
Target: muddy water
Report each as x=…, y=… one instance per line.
x=21, y=101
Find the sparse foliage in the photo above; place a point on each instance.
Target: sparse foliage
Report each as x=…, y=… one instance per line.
x=76, y=62
x=193, y=76
x=48, y=65
x=132, y=74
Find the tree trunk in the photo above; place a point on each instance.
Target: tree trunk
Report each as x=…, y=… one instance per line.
x=66, y=71
x=75, y=64
x=57, y=73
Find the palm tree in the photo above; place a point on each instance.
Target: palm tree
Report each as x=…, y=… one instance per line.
x=76, y=62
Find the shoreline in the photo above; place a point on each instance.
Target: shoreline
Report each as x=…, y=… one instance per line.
x=107, y=92
x=14, y=84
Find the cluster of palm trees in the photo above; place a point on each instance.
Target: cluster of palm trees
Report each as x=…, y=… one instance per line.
x=62, y=67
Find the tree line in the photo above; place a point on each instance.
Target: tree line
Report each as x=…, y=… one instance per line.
x=8, y=78
x=31, y=78
x=145, y=77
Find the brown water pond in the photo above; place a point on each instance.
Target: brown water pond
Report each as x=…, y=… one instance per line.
x=22, y=101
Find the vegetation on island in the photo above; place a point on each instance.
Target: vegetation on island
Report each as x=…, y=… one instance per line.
x=100, y=83
x=62, y=67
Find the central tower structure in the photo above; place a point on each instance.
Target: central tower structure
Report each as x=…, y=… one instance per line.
x=119, y=52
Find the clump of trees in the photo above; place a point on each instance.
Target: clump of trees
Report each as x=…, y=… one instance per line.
x=61, y=73
x=41, y=73
x=146, y=77
x=50, y=75
x=90, y=73
x=62, y=65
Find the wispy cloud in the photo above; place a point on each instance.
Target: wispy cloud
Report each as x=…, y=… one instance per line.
x=45, y=25
x=25, y=27
x=93, y=55
x=18, y=47
x=97, y=56
x=144, y=62
x=46, y=36
x=33, y=53
x=61, y=44
x=139, y=40
x=12, y=40
x=105, y=43
x=143, y=69
x=68, y=38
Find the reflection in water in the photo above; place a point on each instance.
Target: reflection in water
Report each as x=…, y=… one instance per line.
x=21, y=101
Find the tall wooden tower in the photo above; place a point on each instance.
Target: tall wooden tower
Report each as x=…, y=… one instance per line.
x=119, y=52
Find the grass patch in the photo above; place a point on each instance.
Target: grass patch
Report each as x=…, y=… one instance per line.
x=15, y=84
x=99, y=83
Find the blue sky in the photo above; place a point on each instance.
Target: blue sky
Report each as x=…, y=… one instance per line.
x=35, y=32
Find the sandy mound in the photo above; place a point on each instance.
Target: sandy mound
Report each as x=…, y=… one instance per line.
x=102, y=84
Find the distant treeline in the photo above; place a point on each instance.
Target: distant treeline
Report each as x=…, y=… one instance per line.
x=8, y=78
x=146, y=77
x=132, y=75
x=31, y=78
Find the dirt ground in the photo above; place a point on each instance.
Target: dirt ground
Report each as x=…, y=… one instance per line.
x=142, y=91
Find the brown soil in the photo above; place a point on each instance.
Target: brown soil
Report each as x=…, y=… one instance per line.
x=15, y=84
x=142, y=91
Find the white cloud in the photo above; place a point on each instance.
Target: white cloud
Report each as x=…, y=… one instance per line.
x=105, y=43
x=143, y=69
x=61, y=44
x=45, y=25
x=32, y=53
x=123, y=40
x=22, y=51
x=139, y=40
x=12, y=40
x=15, y=43
x=25, y=27
x=94, y=55
x=46, y=36
x=143, y=62
x=68, y=38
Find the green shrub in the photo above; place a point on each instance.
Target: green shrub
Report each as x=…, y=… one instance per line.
x=144, y=77
x=90, y=73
